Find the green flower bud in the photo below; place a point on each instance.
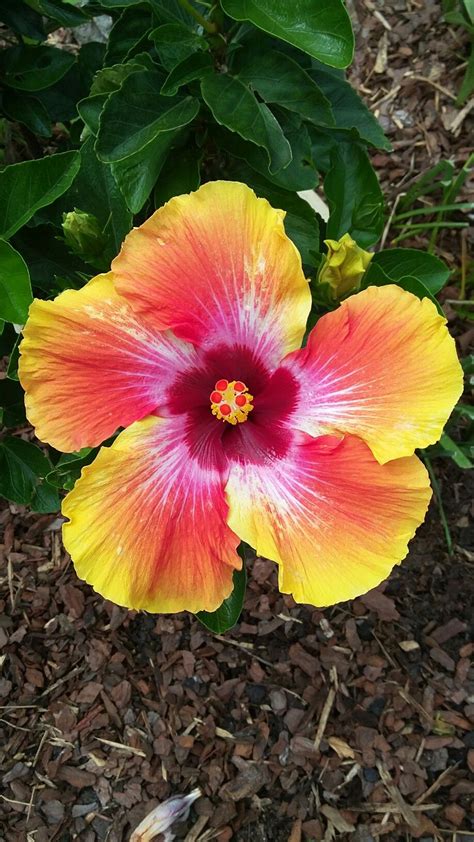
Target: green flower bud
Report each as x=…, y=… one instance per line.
x=83, y=235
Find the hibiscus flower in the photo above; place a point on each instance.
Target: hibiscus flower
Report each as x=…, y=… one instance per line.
x=232, y=430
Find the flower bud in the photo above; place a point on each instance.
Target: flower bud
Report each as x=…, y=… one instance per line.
x=344, y=265
x=83, y=235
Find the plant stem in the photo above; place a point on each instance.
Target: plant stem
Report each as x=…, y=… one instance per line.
x=206, y=24
x=439, y=502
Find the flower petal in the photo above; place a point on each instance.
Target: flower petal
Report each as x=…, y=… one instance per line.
x=216, y=266
x=147, y=524
x=334, y=519
x=88, y=366
x=383, y=367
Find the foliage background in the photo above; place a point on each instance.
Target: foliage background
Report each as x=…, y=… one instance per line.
x=110, y=108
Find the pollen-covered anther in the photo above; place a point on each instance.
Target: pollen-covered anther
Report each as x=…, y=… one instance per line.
x=230, y=401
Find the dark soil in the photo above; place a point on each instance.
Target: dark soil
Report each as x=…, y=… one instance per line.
x=355, y=722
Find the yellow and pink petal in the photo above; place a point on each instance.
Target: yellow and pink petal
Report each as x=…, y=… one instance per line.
x=383, y=367
x=217, y=268
x=333, y=518
x=89, y=365
x=147, y=523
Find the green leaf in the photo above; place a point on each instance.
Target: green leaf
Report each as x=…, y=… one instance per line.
x=227, y=615
x=396, y=263
x=90, y=109
x=45, y=499
x=27, y=110
x=136, y=114
x=34, y=68
x=300, y=174
x=349, y=110
x=180, y=175
x=15, y=286
x=31, y=185
x=354, y=196
x=128, y=35
x=195, y=66
x=69, y=466
x=452, y=449
x=12, y=368
x=467, y=85
x=234, y=106
x=63, y=13
x=22, y=465
x=137, y=174
x=109, y=79
x=174, y=43
x=301, y=221
x=12, y=403
x=280, y=80
x=321, y=28
x=48, y=259
x=22, y=19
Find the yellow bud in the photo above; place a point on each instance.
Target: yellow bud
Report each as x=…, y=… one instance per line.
x=344, y=265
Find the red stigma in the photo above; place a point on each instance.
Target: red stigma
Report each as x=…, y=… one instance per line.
x=221, y=385
x=241, y=400
x=216, y=397
x=225, y=408
x=240, y=387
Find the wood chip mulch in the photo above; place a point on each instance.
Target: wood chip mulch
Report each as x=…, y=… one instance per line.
x=300, y=724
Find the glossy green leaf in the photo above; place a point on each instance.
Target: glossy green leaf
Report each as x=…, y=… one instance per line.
x=179, y=175
x=27, y=110
x=280, y=80
x=195, y=66
x=321, y=28
x=48, y=258
x=45, y=499
x=26, y=187
x=33, y=68
x=174, y=43
x=350, y=111
x=396, y=263
x=90, y=109
x=227, y=615
x=66, y=14
x=136, y=114
x=128, y=35
x=234, y=106
x=15, y=286
x=136, y=175
x=300, y=174
x=354, y=196
x=22, y=465
x=19, y=17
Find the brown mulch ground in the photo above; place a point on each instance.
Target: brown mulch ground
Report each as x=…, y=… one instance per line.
x=351, y=723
